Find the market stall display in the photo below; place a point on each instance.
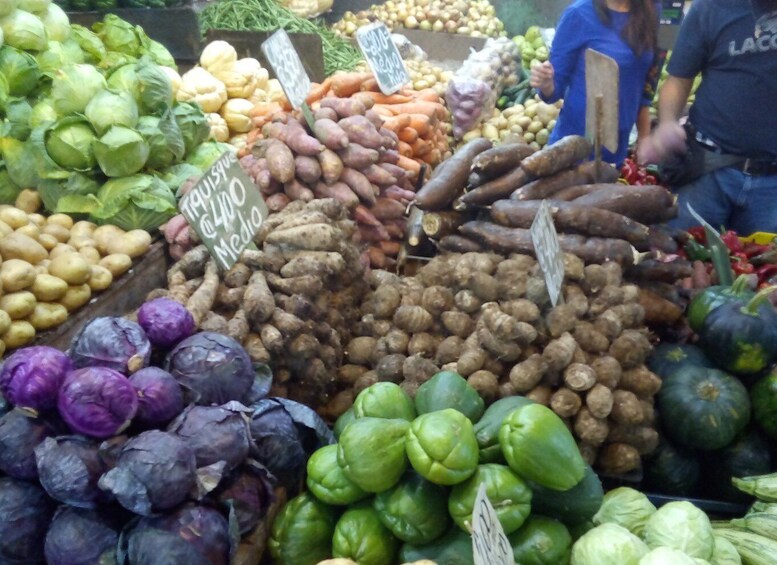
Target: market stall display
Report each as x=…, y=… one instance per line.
x=531, y=121
x=533, y=47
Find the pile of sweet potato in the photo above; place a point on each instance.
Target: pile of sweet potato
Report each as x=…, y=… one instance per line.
x=489, y=318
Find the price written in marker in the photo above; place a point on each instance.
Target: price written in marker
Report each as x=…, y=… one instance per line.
x=548, y=251
x=225, y=209
x=286, y=64
x=490, y=545
x=383, y=57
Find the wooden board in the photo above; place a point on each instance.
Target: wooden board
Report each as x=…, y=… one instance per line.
x=602, y=82
x=124, y=295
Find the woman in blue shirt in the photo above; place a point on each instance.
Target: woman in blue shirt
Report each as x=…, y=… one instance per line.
x=625, y=30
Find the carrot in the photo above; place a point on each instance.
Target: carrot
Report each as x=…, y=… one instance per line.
x=390, y=247
x=397, y=123
x=371, y=84
x=381, y=98
x=408, y=135
x=345, y=85
x=431, y=109
x=263, y=110
x=383, y=111
x=412, y=167
x=395, y=231
x=318, y=91
x=421, y=123
x=364, y=98
x=364, y=217
x=427, y=94
x=433, y=157
x=421, y=148
x=377, y=257
x=405, y=149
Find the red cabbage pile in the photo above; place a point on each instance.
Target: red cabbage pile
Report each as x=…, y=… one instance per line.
x=80, y=537
x=31, y=377
x=25, y=513
x=165, y=321
x=69, y=468
x=19, y=436
x=111, y=342
x=159, y=397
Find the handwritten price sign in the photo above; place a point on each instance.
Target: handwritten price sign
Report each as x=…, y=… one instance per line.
x=383, y=57
x=548, y=250
x=285, y=61
x=490, y=545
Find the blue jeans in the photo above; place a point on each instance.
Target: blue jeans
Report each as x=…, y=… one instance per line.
x=729, y=198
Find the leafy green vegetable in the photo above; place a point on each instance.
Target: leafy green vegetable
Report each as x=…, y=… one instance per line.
x=164, y=140
x=74, y=86
x=24, y=30
x=43, y=113
x=667, y=556
x=20, y=70
x=193, y=124
x=69, y=144
x=75, y=194
x=121, y=151
x=135, y=202
x=682, y=526
x=56, y=22
x=34, y=6
x=7, y=7
x=158, y=53
x=177, y=174
x=110, y=108
x=608, y=544
x=626, y=507
x=57, y=55
x=118, y=35
x=90, y=44
x=8, y=189
x=17, y=118
x=155, y=89
x=206, y=154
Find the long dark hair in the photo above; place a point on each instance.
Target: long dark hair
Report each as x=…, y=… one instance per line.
x=641, y=31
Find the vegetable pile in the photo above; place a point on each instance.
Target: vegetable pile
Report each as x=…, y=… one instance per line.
x=424, y=74
x=533, y=47
x=400, y=485
x=531, y=122
x=53, y=266
x=92, y=5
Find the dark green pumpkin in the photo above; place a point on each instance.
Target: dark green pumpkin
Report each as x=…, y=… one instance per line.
x=703, y=408
x=712, y=298
x=672, y=470
x=741, y=337
x=541, y=541
x=748, y=456
x=764, y=398
x=572, y=506
x=447, y=389
x=668, y=357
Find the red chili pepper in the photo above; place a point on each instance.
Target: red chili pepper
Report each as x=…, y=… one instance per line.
x=752, y=249
x=741, y=266
x=650, y=179
x=731, y=239
x=697, y=233
x=766, y=272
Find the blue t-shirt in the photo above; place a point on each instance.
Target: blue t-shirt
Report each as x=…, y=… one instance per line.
x=579, y=29
x=736, y=103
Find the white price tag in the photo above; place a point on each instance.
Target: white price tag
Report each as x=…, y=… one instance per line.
x=383, y=57
x=285, y=61
x=548, y=251
x=490, y=545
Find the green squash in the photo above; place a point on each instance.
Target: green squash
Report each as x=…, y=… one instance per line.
x=302, y=532
x=327, y=481
x=703, y=408
x=453, y=548
x=672, y=470
x=345, y=418
x=741, y=337
x=748, y=456
x=764, y=398
x=371, y=452
x=414, y=510
x=541, y=541
x=574, y=506
x=539, y=447
x=384, y=400
x=714, y=297
x=447, y=389
x=487, y=428
x=360, y=536
x=509, y=495
x=668, y=357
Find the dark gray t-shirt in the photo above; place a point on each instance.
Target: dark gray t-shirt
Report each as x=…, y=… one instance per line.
x=736, y=103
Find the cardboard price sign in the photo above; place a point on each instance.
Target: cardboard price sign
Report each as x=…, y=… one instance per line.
x=383, y=57
x=548, y=251
x=285, y=61
x=225, y=209
x=490, y=545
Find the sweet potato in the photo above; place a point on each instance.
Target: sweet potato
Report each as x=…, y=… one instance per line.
x=378, y=176
x=295, y=190
x=563, y=154
x=331, y=165
x=280, y=161
x=362, y=131
x=496, y=189
x=344, y=107
x=325, y=114
x=399, y=194
x=358, y=157
x=387, y=209
x=314, y=237
x=646, y=204
x=330, y=134
x=299, y=141
x=584, y=173
x=359, y=184
x=339, y=191
x=307, y=169
x=398, y=172
x=258, y=301
x=501, y=159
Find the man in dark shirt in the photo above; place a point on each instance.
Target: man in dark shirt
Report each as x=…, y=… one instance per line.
x=733, y=44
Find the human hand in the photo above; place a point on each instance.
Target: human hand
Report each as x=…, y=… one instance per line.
x=541, y=78
x=666, y=139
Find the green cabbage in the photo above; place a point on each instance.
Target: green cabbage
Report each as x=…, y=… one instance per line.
x=135, y=202
x=74, y=86
x=113, y=60
x=69, y=144
x=20, y=70
x=176, y=175
x=681, y=525
x=9, y=190
x=121, y=152
x=20, y=161
x=626, y=507
x=90, y=44
x=7, y=7
x=155, y=89
x=24, y=30
x=118, y=35
x=58, y=55
x=608, y=544
x=158, y=53
x=17, y=118
x=56, y=22
x=110, y=108
x=164, y=139
x=35, y=6
x=73, y=195
x=125, y=78
x=43, y=113
x=193, y=124
x=667, y=556
x=206, y=154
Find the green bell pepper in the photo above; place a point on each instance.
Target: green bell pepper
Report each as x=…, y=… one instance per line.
x=345, y=418
x=453, y=548
x=361, y=537
x=414, y=510
x=447, y=389
x=302, y=532
x=442, y=447
x=384, y=400
x=539, y=447
x=541, y=541
x=327, y=481
x=371, y=452
x=487, y=428
x=508, y=493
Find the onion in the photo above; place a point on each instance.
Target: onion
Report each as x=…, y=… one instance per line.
x=438, y=26
x=411, y=22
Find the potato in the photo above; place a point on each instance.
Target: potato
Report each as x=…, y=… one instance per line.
x=28, y=200
x=5, y=229
x=16, y=274
x=61, y=220
x=46, y=316
x=37, y=219
x=91, y=255
x=60, y=232
x=48, y=241
x=48, y=288
x=83, y=228
x=19, y=334
x=61, y=249
x=42, y=269
x=100, y=278
x=5, y=321
x=71, y=268
x=76, y=296
x=133, y=243
x=81, y=241
x=103, y=235
x=116, y=263
x=30, y=230
x=18, y=305
x=14, y=217
x=19, y=246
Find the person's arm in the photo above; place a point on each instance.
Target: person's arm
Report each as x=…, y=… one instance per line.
x=569, y=40
x=673, y=97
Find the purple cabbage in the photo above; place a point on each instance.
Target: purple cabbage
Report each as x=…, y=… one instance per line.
x=214, y=366
x=159, y=397
x=248, y=491
x=69, y=468
x=195, y=535
x=25, y=513
x=80, y=537
x=111, y=342
x=31, y=377
x=97, y=401
x=215, y=433
x=165, y=321
x=155, y=471
x=20, y=434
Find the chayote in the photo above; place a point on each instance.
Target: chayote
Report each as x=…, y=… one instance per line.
x=327, y=481
x=384, y=400
x=360, y=536
x=340, y=424
x=487, y=428
x=447, y=389
x=453, y=548
x=541, y=541
x=442, y=447
x=371, y=452
x=302, y=532
x=414, y=510
x=509, y=494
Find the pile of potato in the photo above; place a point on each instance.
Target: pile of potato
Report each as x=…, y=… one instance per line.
x=424, y=74
x=489, y=318
x=476, y=19
x=532, y=121
x=52, y=266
